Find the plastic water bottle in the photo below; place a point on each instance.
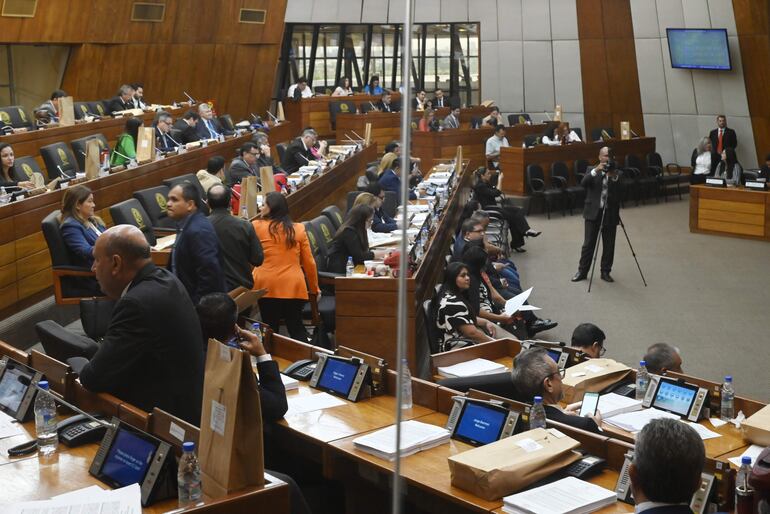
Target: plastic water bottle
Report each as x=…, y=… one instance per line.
x=189, y=476
x=727, y=411
x=642, y=380
x=406, y=386
x=349, y=267
x=537, y=414
x=744, y=493
x=45, y=421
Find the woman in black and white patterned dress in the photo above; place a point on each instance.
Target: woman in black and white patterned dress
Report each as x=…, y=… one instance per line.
x=455, y=316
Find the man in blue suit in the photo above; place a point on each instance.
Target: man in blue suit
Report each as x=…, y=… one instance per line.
x=196, y=259
x=208, y=127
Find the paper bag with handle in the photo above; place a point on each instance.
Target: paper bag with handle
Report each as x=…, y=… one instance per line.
x=249, y=191
x=511, y=464
x=231, y=448
x=592, y=376
x=93, y=152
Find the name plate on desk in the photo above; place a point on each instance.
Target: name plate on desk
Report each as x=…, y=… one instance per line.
x=716, y=182
x=754, y=184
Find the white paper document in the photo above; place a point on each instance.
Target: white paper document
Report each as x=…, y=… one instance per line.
x=415, y=436
x=517, y=303
x=753, y=451
x=566, y=496
x=635, y=421
x=612, y=404
x=703, y=432
x=126, y=500
x=312, y=402
x=164, y=242
x=8, y=426
x=289, y=383
x=471, y=368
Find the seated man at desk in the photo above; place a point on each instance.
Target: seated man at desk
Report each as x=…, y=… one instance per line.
x=186, y=127
x=163, y=139
x=299, y=90
x=561, y=135
x=299, y=152
x=494, y=144
x=667, y=466
x=419, y=101
x=589, y=339
x=385, y=104
x=536, y=374
x=494, y=118
x=265, y=159
x=151, y=355
x=122, y=101
x=208, y=126
x=452, y=121
x=662, y=357
x=245, y=165
x=49, y=111
x=764, y=171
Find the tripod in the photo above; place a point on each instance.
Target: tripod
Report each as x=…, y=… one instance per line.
x=596, y=249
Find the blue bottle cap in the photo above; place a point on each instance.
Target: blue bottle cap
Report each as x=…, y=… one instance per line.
x=643, y=363
x=43, y=384
x=746, y=460
x=538, y=399
x=728, y=378
x=188, y=446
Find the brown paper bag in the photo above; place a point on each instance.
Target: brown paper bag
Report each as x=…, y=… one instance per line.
x=231, y=447
x=93, y=153
x=511, y=464
x=66, y=111
x=145, y=144
x=249, y=190
x=266, y=177
x=625, y=130
x=592, y=376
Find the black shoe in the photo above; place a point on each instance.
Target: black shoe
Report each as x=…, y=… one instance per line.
x=541, y=325
x=579, y=276
x=606, y=276
x=533, y=233
x=519, y=250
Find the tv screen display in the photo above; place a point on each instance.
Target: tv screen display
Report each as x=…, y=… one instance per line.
x=699, y=49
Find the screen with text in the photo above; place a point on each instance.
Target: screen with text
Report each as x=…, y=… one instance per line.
x=480, y=424
x=338, y=376
x=128, y=458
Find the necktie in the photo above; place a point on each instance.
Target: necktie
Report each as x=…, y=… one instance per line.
x=719, y=143
x=212, y=132
x=605, y=192
x=165, y=141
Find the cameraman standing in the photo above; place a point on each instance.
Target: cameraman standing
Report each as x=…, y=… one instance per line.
x=601, y=212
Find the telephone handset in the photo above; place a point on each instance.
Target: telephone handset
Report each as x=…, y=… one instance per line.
x=623, y=486
x=79, y=430
x=301, y=370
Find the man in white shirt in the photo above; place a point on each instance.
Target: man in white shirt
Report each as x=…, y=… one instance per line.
x=667, y=465
x=494, y=144
x=299, y=90
x=561, y=135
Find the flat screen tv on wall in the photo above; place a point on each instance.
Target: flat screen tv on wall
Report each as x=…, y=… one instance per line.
x=699, y=49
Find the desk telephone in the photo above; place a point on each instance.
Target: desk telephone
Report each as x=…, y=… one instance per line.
x=301, y=370
x=73, y=432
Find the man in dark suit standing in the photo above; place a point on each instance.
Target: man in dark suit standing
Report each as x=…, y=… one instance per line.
x=245, y=165
x=298, y=152
x=196, y=259
x=723, y=137
x=152, y=355
x=601, y=212
x=123, y=101
x=667, y=466
x=186, y=125
x=208, y=126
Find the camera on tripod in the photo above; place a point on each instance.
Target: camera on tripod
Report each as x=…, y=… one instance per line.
x=610, y=165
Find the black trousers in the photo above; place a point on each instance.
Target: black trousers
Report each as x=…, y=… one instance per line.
x=517, y=222
x=273, y=310
x=589, y=241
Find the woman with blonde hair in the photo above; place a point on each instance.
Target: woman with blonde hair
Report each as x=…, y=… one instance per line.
x=79, y=225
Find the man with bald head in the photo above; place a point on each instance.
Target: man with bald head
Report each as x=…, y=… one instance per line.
x=152, y=353
x=601, y=212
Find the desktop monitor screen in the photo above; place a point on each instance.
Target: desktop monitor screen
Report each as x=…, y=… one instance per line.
x=675, y=397
x=338, y=376
x=699, y=49
x=128, y=459
x=480, y=423
x=12, y=389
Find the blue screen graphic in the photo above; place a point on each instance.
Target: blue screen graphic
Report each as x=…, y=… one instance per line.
x=128, y=458
x=674, y=398
x=480, y=424
x=699, y=49
x=338, y=376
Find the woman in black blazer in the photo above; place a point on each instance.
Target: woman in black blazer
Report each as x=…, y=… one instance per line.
x=351, y=240
x=487, y=194
x=7, y=160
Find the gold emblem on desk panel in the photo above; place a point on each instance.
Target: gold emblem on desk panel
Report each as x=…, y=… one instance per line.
x=344, y=107
x=4, y=117
x=27, y=169
x=161, y=201
x=138, y=218
x=62, y=156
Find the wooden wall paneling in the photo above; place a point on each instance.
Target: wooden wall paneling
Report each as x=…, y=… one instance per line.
x=590, y=20
x=8, y=295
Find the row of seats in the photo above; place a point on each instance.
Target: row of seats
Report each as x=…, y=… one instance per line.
x=17, y=116
x=59, y=159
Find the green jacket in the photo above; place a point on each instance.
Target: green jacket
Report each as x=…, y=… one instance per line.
x=124, y=146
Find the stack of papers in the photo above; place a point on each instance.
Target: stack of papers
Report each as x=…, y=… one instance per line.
x=311, y=402
x=635, y=421
x=415, y=437
x=471, y=368
x=289, y=383
x=565, y=496
x=8, y=426
x=126, y=500
x=612, y=404
x=703, y=432
x=753, y=451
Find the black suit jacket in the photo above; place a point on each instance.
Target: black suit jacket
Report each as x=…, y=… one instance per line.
x=188, y=134
x=486, y=194
x=240, y=248
x=729, y=138
x=152, y=354
x=444, y=103
x=583, y=423
x=292, y=159
x=239, y=170
x=164, y=144
x=272, y=394
x=196, y=259
x=391, y=107
x=117, y=104
x=669, y=509
x=592, y=210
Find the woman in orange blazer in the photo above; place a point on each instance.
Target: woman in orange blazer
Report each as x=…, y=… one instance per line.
x=288, y=271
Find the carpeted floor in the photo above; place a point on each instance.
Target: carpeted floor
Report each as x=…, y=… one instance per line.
x=707, y=295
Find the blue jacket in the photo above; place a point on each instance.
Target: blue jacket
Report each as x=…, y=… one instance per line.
x=390, y=181
x=382, y=222
x=80, y=241
x=196, y=259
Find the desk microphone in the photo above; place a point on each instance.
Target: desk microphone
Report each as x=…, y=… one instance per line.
x=62, y=172
x=192, y=100
x=275, y=120
x=547, y=115
x=174, y=140
x=124, y=156
x=373, y=106
x=357, y=135
x=27, y=381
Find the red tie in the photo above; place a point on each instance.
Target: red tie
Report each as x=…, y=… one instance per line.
x=719, y=143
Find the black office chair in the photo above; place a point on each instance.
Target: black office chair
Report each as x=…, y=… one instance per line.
x=79, y=147
x=500, y=384
x=81, y=110
x=153, y=200
x=537, y=188
x=99, y=107
x=70, y=283
x=341, y=107
x=646, y=182
x=436, y=342
x=575, y=194
x=365, y=107
x=95, y=316
x=334, y=214
x=61, y=344
x=531, y=140
x=131, y=212
x=668, y=175
x=281, y=147
x=227, y=122
x=596, y=134
x=579, y=168
x=519, y=118
x=630, y=177
x=191, y=178
x=351, y=199
x=17, y=117
x=325, y=309
x=59, y=161
x=578, y=131
x=24, y=168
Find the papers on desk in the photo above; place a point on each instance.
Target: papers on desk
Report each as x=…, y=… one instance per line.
x=635, y=421
x=164, y=242
x=380, y=239
x=289, y=383
x=612, y=404
x=126, y=500
x=703, y=432
x=753, y=451
x=8, y=426
x=471, y=368
x=414, y=208
x=517, y=303
x=415, y=437
x=566, y=496
x=312, y=402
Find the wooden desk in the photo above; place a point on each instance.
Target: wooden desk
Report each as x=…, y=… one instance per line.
x=434, y=146
x=736, y=212
x=25, y=264
x=386, y=127
x=514, y=159
x=501, y=351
